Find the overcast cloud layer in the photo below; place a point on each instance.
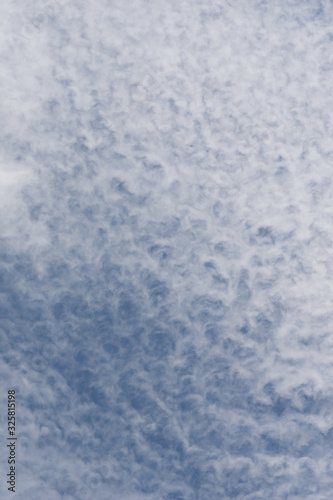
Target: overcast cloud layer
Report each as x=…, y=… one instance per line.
x=166, y=246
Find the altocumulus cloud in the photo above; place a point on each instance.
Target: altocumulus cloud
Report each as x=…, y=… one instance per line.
x=166, y=248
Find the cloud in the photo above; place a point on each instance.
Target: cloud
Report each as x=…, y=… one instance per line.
x=165, y=272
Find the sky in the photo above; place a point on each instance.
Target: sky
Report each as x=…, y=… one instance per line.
x=166, y=252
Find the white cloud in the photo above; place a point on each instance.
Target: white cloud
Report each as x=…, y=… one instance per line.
x=166, y=265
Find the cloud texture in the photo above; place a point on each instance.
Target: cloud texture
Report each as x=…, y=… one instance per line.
x=166, y=248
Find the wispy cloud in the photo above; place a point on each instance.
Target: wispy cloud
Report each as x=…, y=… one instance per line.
x=165, y=272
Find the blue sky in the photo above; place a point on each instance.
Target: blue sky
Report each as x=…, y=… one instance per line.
x=166, y=248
